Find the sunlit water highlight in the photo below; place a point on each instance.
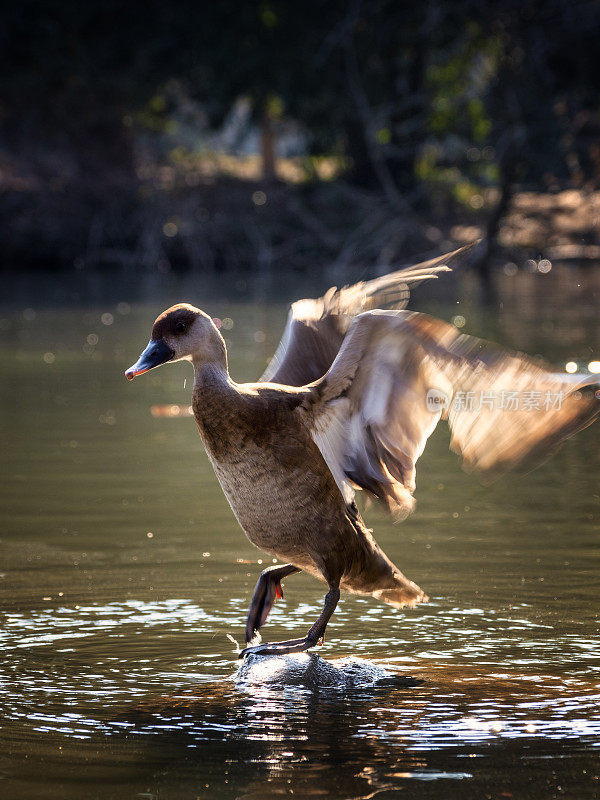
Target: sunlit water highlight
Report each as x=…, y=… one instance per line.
x=123, y=578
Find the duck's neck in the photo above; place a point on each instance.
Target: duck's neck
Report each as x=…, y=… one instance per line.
x=214, y=402
x=210, y=365
x=211, y=376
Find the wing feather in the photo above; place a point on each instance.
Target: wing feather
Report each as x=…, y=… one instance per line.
x=315, y=329
x=391, y=365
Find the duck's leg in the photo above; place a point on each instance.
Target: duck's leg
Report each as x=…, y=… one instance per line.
x=267, y=589
x=316, y=632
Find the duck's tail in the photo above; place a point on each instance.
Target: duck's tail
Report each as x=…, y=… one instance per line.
x=375, y=574
x=402, y=593
x=406, y=593
x=384, y=581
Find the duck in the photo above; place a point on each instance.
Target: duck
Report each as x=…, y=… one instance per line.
x=357, y=385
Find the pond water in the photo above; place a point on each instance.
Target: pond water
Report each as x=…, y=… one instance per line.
x=124, y=579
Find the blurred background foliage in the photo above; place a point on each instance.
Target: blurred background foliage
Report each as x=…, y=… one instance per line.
x=248, y=136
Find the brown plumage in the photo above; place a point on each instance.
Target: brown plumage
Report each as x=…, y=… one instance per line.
x=344, y=405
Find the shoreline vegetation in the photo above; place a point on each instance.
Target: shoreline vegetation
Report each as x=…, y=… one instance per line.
x=285, y=138
x=217, y=215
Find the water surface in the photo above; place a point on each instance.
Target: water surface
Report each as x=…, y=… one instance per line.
x=124, y=577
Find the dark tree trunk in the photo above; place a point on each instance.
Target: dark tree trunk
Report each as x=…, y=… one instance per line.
x=483, y=265
x=267, y=147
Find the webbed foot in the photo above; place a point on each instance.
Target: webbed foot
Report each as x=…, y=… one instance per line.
x=313, y=637
x=267, y=589
x=281, y=648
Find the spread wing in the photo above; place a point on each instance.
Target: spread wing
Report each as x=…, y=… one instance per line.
x=398, y=373
x=315, y=329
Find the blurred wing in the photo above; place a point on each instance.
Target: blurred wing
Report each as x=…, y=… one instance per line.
x=315, y=329
x=398, y=373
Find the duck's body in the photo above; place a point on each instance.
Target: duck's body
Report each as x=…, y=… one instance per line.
x=283, y=494
x=347, y=404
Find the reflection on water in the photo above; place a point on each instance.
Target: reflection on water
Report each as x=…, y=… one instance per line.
x=123, y=576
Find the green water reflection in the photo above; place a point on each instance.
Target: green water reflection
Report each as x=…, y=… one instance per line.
x=123, y=573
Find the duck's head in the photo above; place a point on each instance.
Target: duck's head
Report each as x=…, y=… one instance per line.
x=181, y=332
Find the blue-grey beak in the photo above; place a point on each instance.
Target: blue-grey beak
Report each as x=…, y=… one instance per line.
x=154, y=355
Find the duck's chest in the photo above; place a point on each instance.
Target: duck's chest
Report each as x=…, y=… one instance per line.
x=274, y=478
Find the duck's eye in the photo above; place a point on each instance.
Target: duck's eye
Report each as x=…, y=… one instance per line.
x=180, y=327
